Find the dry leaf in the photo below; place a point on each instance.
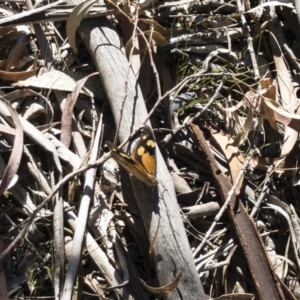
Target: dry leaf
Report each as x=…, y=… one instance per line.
x=289, y=101
x=75, y=17
x=15, y=76
x=244, y=126
x=66, y=118
x=16, y=154
x=233, y=156
x=156, y=26
x=164, y=289
x=235, y=297
x=263, y=163
x=34, y=110
x=129, y=46
x=276, y=107
x=64, y=81
x=281, y=115
x=157, y=37
x=270, y=93
x=7, y=129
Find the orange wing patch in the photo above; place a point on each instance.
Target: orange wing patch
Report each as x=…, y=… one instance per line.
x=149, y=163
x=142, y=161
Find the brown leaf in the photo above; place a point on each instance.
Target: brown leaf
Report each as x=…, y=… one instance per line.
x=67, y=114
x=164, y=289
x=270, y=93
x=157, y=37
x=281, y=115
x=16, y=76
x=129, y=45
x=233, y=156
x=156, y=26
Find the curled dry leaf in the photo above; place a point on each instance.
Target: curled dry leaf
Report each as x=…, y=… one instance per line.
x=76, y=16
x=159, y=39
x=16, y=154
x=156, y=26
x=42, y=106
x=280, y=114
x=34, y=110
x=164, y=289
x=16, y=76
x=289, y=105
x=66, y=118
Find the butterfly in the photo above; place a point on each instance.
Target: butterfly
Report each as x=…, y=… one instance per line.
x=142, y=161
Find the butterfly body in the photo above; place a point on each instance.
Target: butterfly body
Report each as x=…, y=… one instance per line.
x=142, y=161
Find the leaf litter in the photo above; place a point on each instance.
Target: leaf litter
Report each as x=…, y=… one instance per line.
x=229, y=68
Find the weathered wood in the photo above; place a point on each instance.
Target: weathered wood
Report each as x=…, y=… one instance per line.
x=159, y=207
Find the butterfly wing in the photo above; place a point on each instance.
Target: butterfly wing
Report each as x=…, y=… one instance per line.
x=120, y=157
x=133, y=166
x=144, y=152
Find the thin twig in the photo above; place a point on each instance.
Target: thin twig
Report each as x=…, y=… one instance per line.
x=152, y=63
x=127, y=74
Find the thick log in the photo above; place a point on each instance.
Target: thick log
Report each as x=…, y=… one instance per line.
x=171, y=253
